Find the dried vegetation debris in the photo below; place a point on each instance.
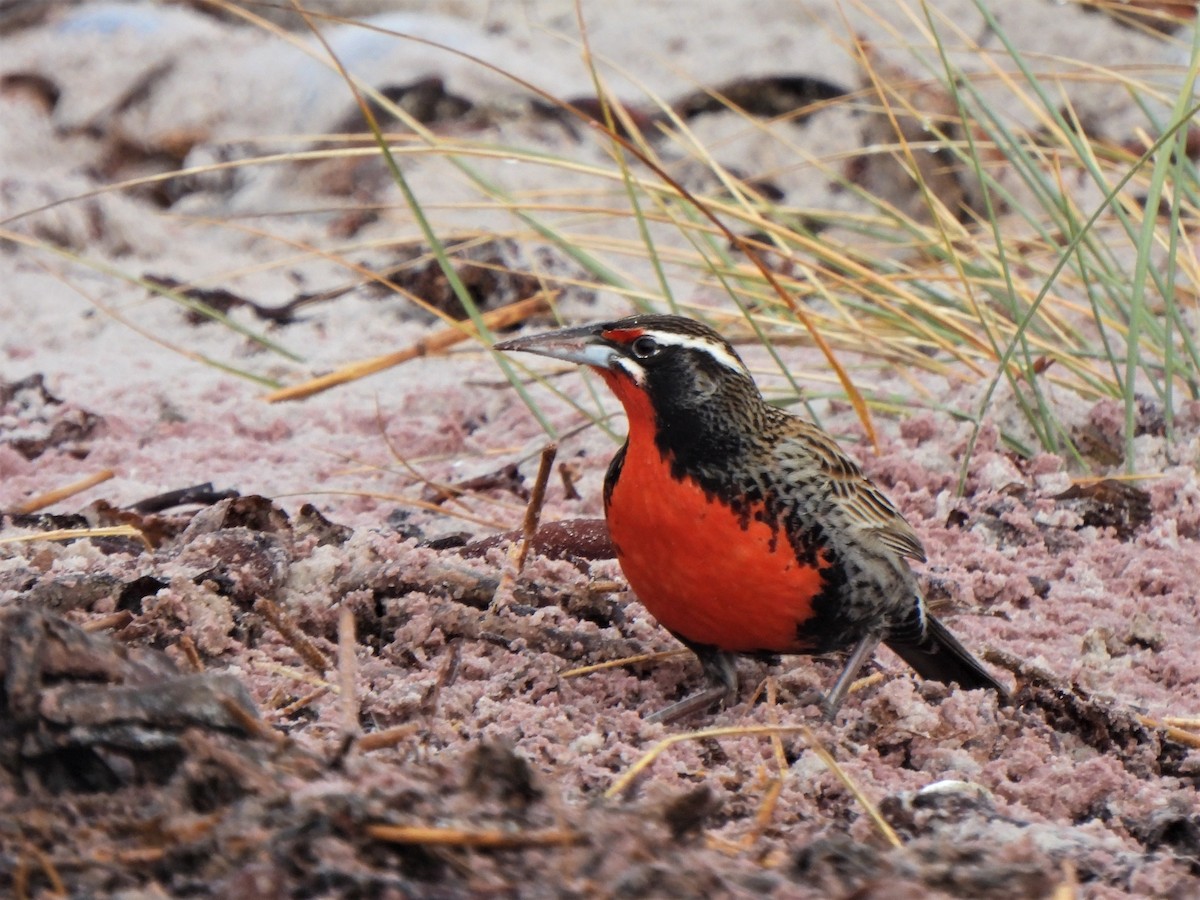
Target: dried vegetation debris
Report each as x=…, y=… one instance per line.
x=1108, y=503
x=472, y=765
x=32, y=420
x=83, y=712
x=494, y=273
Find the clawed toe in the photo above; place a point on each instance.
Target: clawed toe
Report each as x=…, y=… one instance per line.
x=693, y=703
x=720, y=669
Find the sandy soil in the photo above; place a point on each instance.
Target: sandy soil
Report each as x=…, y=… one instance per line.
x=178, y=717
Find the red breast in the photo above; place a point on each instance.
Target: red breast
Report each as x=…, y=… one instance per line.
x=706, y=573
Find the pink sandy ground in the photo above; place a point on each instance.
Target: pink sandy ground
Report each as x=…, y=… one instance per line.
x=1069, y=787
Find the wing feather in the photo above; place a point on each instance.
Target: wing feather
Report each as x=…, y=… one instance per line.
x=859, y=500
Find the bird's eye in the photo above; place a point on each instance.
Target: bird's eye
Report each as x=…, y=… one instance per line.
x=645, y=347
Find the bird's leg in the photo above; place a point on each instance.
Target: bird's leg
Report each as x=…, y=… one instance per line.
x=863, y=650
x=720, y=669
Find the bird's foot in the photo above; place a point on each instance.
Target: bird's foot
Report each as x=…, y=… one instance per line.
x=807, y=697
x=862, y=651
x=693, y=703
x=721, y=670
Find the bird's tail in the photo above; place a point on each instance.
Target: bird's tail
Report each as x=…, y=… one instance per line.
x=940, y=657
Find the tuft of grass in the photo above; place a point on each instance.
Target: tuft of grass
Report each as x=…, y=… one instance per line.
x=1031, y=257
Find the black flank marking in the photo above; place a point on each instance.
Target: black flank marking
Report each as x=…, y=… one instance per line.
x=613, y=473
x=829, y=629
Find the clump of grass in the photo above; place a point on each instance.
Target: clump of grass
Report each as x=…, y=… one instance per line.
x=1062, y=274
x=1037, y=255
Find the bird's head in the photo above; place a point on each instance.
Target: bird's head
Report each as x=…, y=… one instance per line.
x=677, y=378
x=670, y=359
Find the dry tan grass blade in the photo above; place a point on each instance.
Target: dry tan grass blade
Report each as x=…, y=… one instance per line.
x=435, y=343
x=72, y=534
x=623, y=783
x=49, y=498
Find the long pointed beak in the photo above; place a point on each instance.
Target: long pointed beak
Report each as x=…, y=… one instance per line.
x=582, y=345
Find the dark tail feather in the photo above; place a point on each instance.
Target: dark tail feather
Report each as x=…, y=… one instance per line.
x=940, y=657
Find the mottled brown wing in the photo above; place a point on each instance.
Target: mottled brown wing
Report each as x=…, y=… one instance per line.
x=864, y=504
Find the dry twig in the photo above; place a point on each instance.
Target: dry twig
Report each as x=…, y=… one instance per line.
x=114, y=621
x=290, y=632
x=389, y=737
x=477, y=838
x=533, y=512
x=347, y=673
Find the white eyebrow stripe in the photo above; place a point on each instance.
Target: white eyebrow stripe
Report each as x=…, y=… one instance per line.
x=715, y=350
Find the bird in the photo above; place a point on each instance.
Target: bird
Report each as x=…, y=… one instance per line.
x=742, y=528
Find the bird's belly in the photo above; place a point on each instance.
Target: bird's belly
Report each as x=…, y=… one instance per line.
x=708, y=574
